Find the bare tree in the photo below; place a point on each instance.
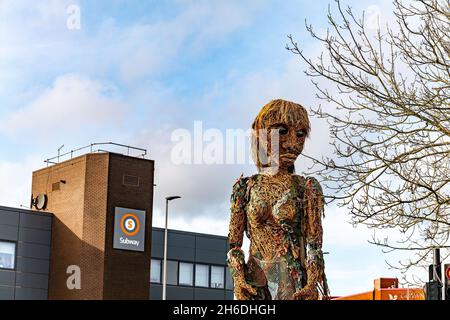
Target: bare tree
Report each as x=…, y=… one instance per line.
x=390, y=124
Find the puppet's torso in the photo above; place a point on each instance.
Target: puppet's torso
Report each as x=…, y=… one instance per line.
x=275, y=224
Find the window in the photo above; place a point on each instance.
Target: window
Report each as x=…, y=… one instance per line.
x=217, y=277
x=229, y=280
x=7, y=255
x=201, y=275
x=186, y=274
x=155, y=271
x=172, y=272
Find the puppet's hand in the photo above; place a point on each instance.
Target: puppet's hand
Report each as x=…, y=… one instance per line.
x=242, y=289
x=236, y=262
x=309, y=292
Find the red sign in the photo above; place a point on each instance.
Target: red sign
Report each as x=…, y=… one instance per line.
x=447, y=273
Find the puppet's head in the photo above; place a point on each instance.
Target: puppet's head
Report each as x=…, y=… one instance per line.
x=278, y=135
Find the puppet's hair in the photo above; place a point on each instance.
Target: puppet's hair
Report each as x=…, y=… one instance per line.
x=277, y=112
x=281, y=111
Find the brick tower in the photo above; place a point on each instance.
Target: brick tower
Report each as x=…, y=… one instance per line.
x=102, y=207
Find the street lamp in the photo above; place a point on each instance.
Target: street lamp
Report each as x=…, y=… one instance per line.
x=165, y=246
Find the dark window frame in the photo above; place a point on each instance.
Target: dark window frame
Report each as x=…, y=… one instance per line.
x=161, y=266
x=224, y=279
x=193, y=274
x=208, y=284
x=15, y=255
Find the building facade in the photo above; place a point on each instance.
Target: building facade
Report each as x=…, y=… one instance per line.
x=196, y=266
x=89, y=235
x=94, y=199
x=25, y=246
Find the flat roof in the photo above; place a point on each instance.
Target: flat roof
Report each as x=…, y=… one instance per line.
x=193, y=233
x=22, y=210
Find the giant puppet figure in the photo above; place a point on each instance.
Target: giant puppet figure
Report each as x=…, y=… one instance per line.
x=280, y=212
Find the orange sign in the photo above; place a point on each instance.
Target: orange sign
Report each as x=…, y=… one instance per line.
x=400, y=294
x=387, y=289
x=130, y=224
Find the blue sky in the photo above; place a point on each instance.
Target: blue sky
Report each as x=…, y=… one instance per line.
x=137, y=70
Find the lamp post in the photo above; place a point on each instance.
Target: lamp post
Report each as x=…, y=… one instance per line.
x=165, y=247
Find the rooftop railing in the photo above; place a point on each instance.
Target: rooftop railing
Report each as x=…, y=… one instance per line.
x=95, y=148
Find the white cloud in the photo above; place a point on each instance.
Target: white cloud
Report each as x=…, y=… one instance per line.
x=132, y=51
x=339, y=232
x=218, y=226
x=149, y=49
x=70, y=105
x=15, y=181
x=205, y=190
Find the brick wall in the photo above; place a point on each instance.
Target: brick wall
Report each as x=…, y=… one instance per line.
x=94, y=224
x=83, y=208
x=67, y=205
x=128, y=270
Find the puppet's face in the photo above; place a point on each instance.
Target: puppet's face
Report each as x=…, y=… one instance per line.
x=278, y=136
x=291, y=139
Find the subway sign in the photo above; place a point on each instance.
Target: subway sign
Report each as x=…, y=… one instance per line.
x=129, y=229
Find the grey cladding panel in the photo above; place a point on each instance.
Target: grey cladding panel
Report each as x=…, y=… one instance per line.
x=155, y=292
x=181, y=240
x=31, y=294
x=158, y=237
x=8, y=233
x=32, y=265
x=209, y=294
x=213, y=257
x=35, y=236
x=180, y=293
x=29, y=220
x=157, y=251
x=6, y=293
x=32, y=280
x=229, y=295
x=7, y=278
x=30, y=250
x=178, y=253
x=9, y=218
x=208, y=243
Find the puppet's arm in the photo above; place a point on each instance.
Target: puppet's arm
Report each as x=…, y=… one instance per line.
x=315, y=269
x=235, y=257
